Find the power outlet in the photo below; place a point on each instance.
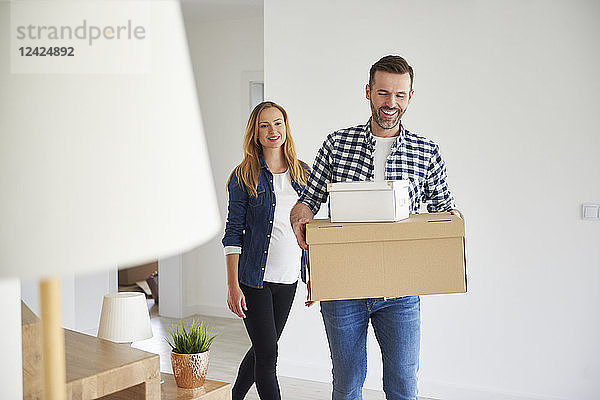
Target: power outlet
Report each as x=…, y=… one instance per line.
x=590, y=211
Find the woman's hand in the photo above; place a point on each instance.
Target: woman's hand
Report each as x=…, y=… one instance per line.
x=235, y=297
x=236, y=301
x=457, y=213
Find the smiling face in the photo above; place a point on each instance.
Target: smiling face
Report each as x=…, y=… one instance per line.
x=389, y=96
x=271, y=128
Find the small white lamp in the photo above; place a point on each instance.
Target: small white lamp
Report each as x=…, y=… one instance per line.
x=124, y=317
x=101, y=168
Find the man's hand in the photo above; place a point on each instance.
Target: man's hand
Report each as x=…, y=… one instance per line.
x=308, y=302
x=457, y=213
x=299, y=217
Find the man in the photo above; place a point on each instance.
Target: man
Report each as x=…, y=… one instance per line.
x=382, y=149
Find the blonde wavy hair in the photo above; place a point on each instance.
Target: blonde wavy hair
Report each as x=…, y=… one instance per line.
x=248, y=171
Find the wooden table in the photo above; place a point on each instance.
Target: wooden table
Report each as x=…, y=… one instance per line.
x=97, y=368
x=211, y=390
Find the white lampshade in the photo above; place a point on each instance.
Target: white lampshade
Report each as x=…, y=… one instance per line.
x=99, y=169
x=124, y=318
x=103, y=160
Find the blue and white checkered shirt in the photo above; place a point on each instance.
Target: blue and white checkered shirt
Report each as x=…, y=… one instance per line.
x=347, y=155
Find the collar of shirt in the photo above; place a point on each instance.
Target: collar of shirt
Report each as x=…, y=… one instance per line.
x=369, y=138
x=261, y=159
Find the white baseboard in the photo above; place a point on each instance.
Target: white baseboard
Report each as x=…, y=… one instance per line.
x=312, y=372
x=317, y=372
x=213, y=311
x=427, y=389
x=445, y=391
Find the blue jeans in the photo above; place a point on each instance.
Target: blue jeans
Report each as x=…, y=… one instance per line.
x=397, y=326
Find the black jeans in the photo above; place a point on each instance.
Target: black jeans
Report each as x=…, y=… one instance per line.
x=268, y=310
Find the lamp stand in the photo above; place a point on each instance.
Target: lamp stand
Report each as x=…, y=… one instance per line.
x=53, y=340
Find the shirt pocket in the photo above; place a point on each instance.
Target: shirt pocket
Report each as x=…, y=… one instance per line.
x=259, y=199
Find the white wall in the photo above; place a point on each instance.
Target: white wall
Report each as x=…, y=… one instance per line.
x=11, y=371
x=81, y=298
x=510, y=92
x=225, y=54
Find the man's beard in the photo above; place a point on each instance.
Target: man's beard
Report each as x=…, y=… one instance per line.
x=384, y=124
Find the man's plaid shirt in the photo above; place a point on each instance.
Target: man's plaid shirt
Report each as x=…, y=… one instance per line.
x=347, y=155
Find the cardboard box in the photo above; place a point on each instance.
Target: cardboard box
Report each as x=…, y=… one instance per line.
x=368, y=201
x=131, y=275
x=423, y=254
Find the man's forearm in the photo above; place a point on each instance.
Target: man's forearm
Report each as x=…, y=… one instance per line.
x=299, y=217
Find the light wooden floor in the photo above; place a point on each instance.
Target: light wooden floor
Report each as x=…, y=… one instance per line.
x=226, y=354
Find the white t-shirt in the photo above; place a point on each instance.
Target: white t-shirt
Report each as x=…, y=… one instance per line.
x=283, y=257
x=383, y=147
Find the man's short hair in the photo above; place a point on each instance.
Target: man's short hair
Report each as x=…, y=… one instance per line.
x=393, y=64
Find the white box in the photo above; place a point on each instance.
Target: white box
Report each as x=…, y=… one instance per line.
x=380, y=201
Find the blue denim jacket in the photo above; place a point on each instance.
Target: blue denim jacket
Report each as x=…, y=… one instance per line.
x=249, y=225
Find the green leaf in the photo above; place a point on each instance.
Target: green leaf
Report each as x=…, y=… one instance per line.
x=190, y=338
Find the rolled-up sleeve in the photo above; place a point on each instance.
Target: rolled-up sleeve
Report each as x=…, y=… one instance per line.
x=437, y=193
x=236, y=216
x=227, y=250
x=316, y=188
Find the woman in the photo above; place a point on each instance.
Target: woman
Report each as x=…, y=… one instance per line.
x=262, y=255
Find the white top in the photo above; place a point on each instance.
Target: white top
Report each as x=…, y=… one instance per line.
x=283, y=257
x=383, y=147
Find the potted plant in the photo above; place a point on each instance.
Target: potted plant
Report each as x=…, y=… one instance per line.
x=190, y=345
